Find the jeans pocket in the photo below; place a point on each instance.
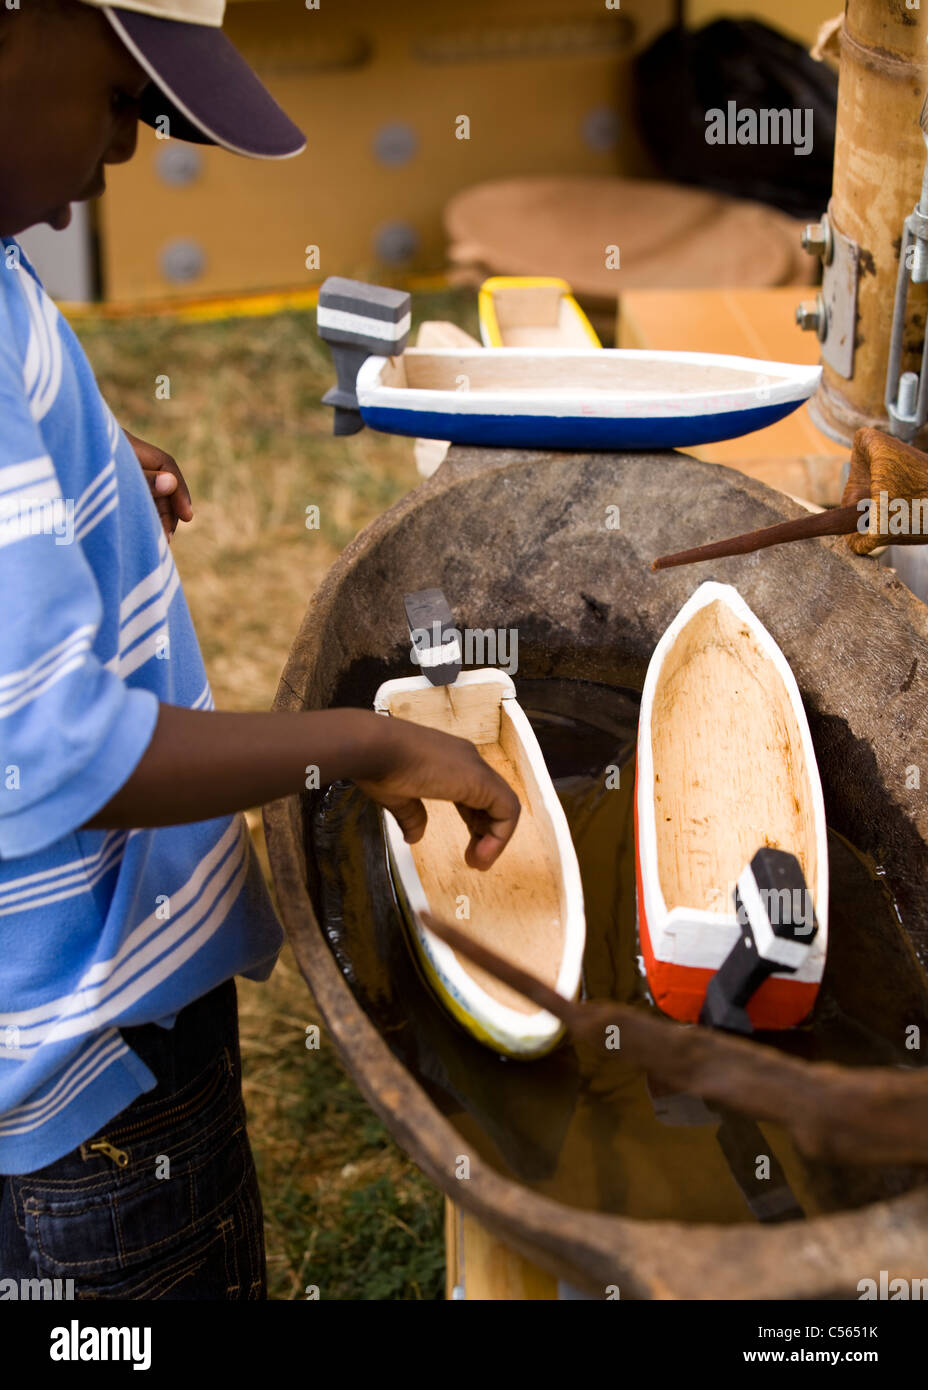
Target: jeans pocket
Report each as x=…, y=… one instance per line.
x=159, y=1211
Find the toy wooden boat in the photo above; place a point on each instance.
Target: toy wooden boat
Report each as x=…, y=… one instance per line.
x=515, y=311
x=725, y=766
x=529, y=905
x=532, y=311
x=429, y=453
x=577, y=398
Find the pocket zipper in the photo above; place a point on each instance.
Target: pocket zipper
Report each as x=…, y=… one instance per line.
x=119, y=1156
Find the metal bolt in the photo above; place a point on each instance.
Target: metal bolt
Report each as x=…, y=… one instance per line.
x=920, y=262
x=908, y=395
x=816, y=239
x=812, y=317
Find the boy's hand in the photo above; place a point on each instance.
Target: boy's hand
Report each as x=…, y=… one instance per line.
x=206, y=763
x=423, y=763
x=171, y=494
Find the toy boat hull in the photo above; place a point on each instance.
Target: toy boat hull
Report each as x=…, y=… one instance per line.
x=725, y=766
x=532, y=311
x=596, y=398
x=529, y=905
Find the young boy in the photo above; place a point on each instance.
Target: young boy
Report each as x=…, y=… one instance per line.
x=129, y=894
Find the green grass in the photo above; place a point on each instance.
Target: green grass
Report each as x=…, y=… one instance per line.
x=374, y=1233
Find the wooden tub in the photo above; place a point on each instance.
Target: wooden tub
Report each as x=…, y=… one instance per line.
x=527, y=539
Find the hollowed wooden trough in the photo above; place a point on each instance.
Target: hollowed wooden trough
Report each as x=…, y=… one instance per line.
x=528, y=540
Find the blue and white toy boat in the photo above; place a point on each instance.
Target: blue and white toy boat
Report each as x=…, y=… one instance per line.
x=540, y=398
x=537, y=398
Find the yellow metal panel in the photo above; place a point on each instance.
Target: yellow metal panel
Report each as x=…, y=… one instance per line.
x=798, y=18
x=527, y=81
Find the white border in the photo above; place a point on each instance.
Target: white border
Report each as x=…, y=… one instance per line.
x=514, y=1031
x=692, y=936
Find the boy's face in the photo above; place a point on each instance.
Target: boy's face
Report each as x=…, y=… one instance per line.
x=69, y=93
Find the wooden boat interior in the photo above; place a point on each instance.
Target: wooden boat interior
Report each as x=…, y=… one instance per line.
x=441, y=333
x=595, y=370
x=538, y=316
x=518, y=906
x=730, y=773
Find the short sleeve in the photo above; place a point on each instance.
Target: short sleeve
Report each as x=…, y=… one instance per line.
x=71, y=730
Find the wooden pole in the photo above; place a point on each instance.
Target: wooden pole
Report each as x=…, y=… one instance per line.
x=879, y=159
x=483, y=1268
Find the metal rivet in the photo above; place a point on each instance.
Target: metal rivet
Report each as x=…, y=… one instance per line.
x=601, y=129
x=178, y=165
x=182, y=260
x=396, y=242
x=395, y=144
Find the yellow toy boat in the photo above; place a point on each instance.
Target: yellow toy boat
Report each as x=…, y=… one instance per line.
x=532, y=311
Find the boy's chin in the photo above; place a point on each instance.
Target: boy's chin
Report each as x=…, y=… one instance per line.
x=60, y=217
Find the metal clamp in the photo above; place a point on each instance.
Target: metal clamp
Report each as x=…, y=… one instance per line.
x=833, y=316
x=907, y=392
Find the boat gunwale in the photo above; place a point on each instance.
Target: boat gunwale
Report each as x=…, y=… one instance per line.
x=793, y=383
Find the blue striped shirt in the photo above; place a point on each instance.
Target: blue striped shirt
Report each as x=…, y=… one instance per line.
x=98, y=929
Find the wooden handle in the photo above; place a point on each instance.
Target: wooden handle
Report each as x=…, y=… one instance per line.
x=888, y=472
x=841, y=1114
x=883, y=470
x=841, y=521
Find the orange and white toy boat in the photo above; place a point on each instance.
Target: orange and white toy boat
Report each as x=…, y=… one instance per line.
x=725, y=767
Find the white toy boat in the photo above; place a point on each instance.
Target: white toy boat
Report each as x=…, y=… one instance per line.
x=725, y=767
x=577, y=398
x=528, y=906
x=539, y=397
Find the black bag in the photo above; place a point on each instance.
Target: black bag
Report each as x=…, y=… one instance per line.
x=755, y=90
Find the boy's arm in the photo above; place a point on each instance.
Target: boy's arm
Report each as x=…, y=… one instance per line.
x=201, y=764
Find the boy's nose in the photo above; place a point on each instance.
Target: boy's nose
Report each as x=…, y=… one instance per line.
x=122, y=146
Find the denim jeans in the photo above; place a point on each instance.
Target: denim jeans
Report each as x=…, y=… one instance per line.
x=163, y=1202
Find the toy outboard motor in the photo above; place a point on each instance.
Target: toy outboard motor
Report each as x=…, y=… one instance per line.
x=358, y=321
x=774, y=909
x=436, y=646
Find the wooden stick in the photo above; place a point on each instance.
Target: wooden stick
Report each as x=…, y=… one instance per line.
x=883, y=471
x=840, y=521
x=867, y=1115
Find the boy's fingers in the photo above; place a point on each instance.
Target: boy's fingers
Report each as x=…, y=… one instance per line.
x=411, y=816
x=171, y=494
x=183, y=507
x=488, y=836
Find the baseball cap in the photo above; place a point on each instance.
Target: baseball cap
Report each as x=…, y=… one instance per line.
x=199, y=80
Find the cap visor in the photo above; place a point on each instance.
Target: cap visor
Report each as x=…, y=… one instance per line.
x=205, y=88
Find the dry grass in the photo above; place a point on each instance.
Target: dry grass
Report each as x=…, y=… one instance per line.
x=344, y=1209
